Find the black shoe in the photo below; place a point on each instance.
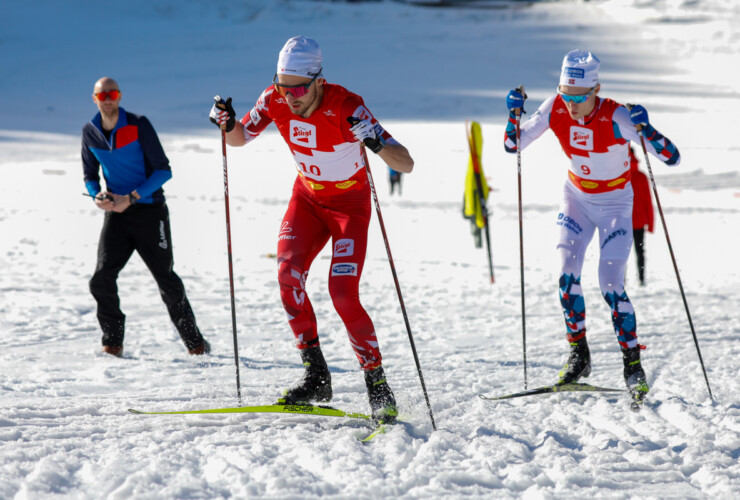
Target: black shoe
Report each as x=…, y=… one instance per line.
x=382, y=402
x=113, y=350
x=578, y=364
x=315, y=384
x=634, y=375
x=203, y=348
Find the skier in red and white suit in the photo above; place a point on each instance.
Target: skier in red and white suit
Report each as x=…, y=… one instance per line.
x=595, y=134
x=324, y=126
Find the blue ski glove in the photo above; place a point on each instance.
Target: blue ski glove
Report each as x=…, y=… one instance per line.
x=222, y=114
x=515, y=100
x=639, y=115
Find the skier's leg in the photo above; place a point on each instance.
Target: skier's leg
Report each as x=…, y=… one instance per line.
x=349, y=229
x=615, y=241
x=302, y=236
x=576, y=231
x=615, y=236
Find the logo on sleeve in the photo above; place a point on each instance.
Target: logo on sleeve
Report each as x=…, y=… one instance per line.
x=362, y=113
x=344, y=248
x=303, y=134
x=581, y=138
x=254, y=116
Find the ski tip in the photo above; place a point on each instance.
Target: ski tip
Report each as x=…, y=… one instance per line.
x=381, y=429
x=137, y=412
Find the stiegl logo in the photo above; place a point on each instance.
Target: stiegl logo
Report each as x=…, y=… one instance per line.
x=581, y=138
x=344, y=248
x=303, y=134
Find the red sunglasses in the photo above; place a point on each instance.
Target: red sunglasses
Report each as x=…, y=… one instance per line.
x=297, y=91
x=112, y=94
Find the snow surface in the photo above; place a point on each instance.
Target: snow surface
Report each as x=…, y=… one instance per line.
x=64, y=428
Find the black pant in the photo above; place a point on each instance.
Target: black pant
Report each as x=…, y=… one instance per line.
x=146, y=229
x=639, y=238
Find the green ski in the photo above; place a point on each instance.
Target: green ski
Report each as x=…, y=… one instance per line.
x=325, y=411
x=552, y=389
x=382, y=428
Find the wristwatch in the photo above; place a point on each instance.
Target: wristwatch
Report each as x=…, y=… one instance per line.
x=133, y=197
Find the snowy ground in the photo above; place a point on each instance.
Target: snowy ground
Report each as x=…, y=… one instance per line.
x=64, y=429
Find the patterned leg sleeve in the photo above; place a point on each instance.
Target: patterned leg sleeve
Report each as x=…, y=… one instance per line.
x=623, y=318
x=574, y=307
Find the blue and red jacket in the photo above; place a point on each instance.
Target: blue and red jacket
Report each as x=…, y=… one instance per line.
x=132, y=159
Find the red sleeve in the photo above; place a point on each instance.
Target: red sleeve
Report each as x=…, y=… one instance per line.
x=258, y=117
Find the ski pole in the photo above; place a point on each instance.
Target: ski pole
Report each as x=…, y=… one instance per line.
x=395, y=279
x=481, y=198
x=518, y=114
x=673, y=257
x=228, y=247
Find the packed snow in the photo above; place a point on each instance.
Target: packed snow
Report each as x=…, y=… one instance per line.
x=64, y=427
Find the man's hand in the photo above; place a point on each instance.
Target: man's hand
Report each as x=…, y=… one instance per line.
x=112, y=202
x=639, y=115
x=121, y=202
x=104, y=201
x=364, y=131
x=222, y=114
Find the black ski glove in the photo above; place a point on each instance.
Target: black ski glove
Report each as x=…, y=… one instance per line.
x=222, y=114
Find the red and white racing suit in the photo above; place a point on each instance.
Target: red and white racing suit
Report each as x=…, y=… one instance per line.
x=331, y=199
x=597, y=195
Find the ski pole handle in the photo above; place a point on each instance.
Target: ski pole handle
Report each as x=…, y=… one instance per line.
x=220, y=104
x=637, y=125
x=520, y=89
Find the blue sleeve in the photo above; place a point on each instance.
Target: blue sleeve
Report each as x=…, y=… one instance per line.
x=93, y=188
x=154, y=182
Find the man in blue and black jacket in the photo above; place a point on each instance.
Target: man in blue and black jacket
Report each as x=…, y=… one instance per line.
x=135, y=167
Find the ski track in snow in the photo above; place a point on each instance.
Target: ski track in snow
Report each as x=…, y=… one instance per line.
x=64, y=428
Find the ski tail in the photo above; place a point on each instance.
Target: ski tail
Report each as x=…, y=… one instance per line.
x=552, y=389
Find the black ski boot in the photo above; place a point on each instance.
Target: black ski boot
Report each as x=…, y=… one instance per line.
x=634, y=376
x=578, y=364
x=382, y=402
x=315, y=384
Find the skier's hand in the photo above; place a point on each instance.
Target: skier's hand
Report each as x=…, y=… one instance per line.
x=364, y=131
x=222, y=114
x=639, y=115
x=515, y=100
